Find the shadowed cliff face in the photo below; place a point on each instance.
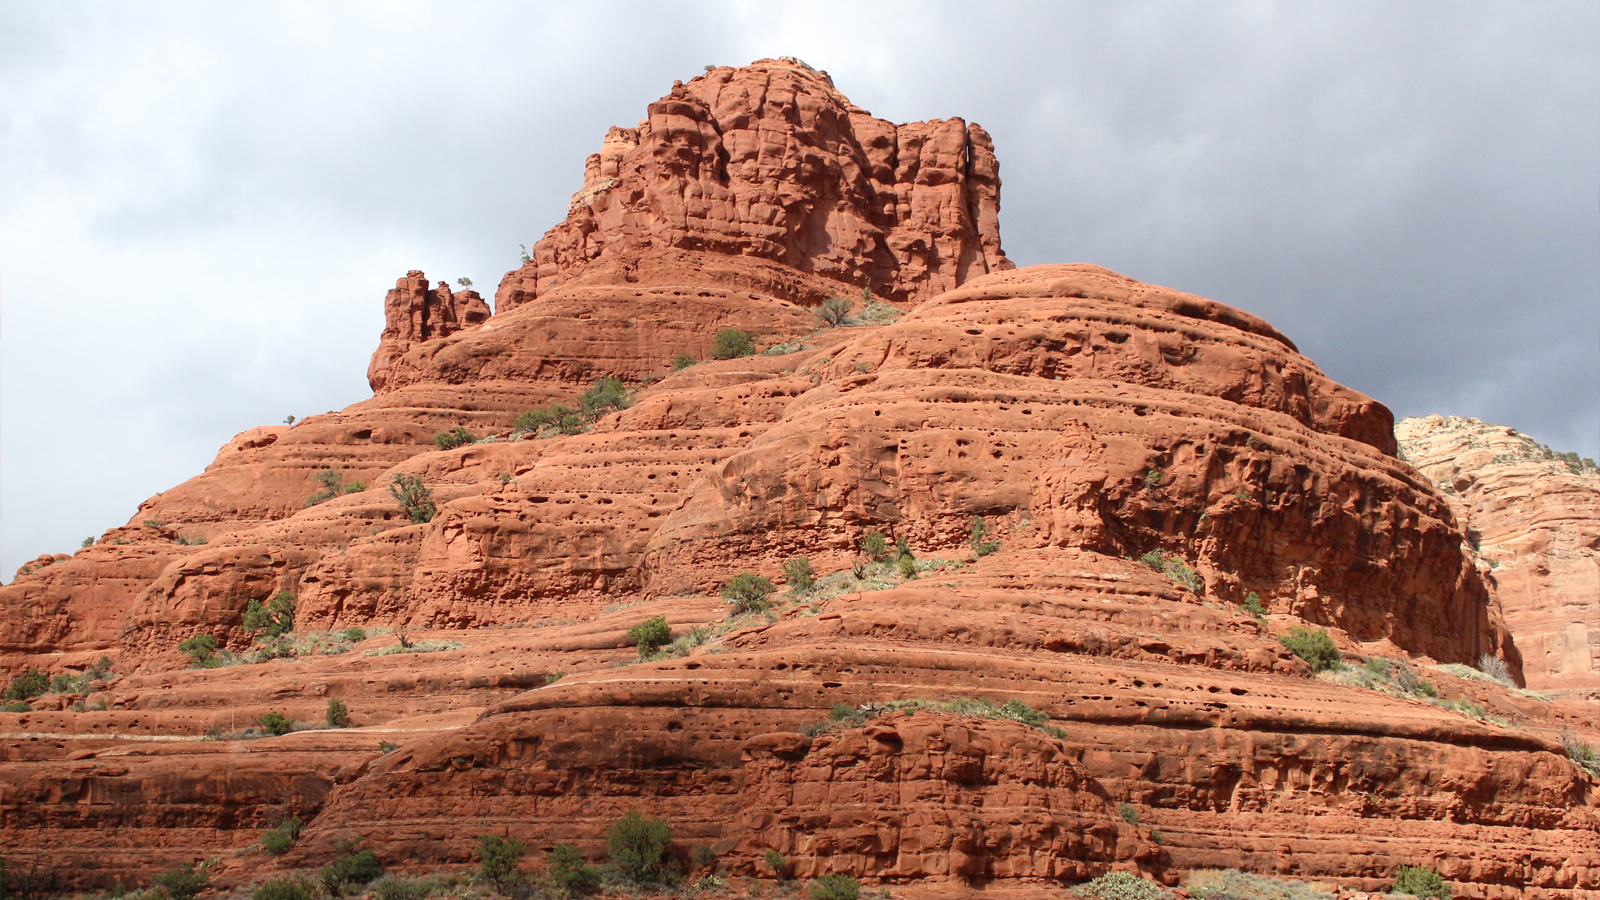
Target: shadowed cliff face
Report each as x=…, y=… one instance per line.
x=1085, y=420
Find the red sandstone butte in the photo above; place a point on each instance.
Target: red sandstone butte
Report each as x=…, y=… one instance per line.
x=1087, y=421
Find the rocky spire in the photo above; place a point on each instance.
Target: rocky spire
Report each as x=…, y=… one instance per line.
x=770, y=161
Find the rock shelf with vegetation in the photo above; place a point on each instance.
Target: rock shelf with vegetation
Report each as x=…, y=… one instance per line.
x=941, y=576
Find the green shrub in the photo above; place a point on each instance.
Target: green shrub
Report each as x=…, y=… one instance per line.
x=875, y=546
x=1128, y=813
x=498, y=858
x=1252, y=605
x=703, y=857
x=28, y=685
x=776, y=862
x=834, y=311
x=682, y=361
x=835, y=887
x=1021, y=712
x=277, y=841
x=1176, y=569
x=276, y=723
x=332, y=482
x=533, y=420
x=455, y=437
x=415, y=498
x=1315, y=647
x=283, y=889
x=338, y=714
x=352, y=487
x=274, y=619
x=980, y=530
x=1420, y=881
x=606, y=394
x=748, y=592
x=201, y=650
x=799, y=575
x=571, y=875
x=731, y=343
x=16, y=706
x=650, y=634
x=907, y=566
x=355, y=634
x=183, y=882
x=351, y=869
x=87, y=543
x=638, y=849
x=1121, y=886
x=398, y=887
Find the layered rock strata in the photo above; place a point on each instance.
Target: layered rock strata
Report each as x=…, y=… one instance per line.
x=769, y=161
x=1534, y=521
x=1042, y=440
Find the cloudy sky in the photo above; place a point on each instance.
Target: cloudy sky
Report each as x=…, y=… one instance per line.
x=202, y=204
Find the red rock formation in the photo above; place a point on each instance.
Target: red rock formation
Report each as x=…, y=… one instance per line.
x=1088, y=420
x=414, y=314
x=1535, y=522
x=770, y=161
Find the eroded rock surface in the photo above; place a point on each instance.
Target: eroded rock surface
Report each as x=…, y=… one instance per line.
x=1534, y=519
x=769, y=161
x=1083, y=420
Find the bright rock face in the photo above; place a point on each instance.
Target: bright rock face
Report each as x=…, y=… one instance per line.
x=413, y=314
x=1535, y=520
x=1023, y=714
x=769, y=161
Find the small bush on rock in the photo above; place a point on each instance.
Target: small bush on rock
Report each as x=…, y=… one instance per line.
x=1315, y=647
x=1121, y=886
x=28, y=685
x=183, y=882
x=682, y=361
x=498, y=858
x=835, y=887
x=414, y=497
x=732, y=343
x=201, y=649
x=353, y=868
x=980, y=530
x=277, y=841
x=1421, y=881
x=398, y=887
x=338, y=715
x=834, y=311
x=1252, y=605
x=776, y=862
x=283, y=889
x=455, y=437
x=1496, y=668
x=570, y=874
x=638, y=849
x=606, y=394
x=748, y=592
x=276, y=723
x=875, y=546
x=799, y=574
x=274, y=619
x=650, y=635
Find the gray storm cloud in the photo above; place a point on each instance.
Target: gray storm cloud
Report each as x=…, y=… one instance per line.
x=201, y=205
